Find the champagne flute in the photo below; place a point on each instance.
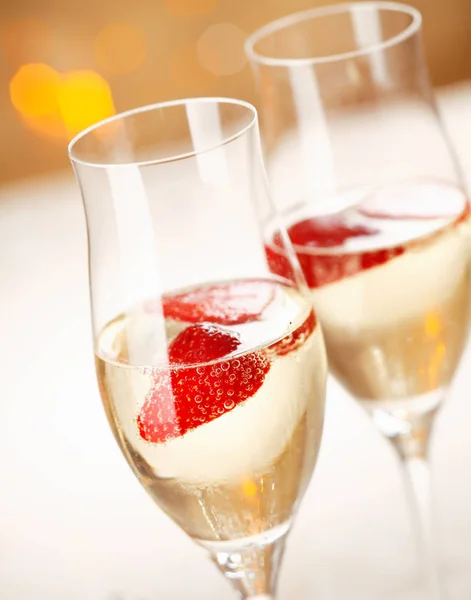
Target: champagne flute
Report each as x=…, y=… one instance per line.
x=362, y=169
x=211, y=369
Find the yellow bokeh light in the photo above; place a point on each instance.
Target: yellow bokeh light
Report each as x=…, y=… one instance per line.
x=190, y=8
x=84, y=98
x=250, y=488
x=433, y=325
x=34, y=89
x=59, y=106
x=435, y=366
x=120, y=48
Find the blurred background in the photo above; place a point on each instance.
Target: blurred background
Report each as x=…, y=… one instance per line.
x=65, y=65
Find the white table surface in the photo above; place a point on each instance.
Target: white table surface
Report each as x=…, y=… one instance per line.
x=76, y=525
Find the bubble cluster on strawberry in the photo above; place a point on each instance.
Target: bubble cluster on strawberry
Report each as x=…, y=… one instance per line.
x=202, y=343
x=183, y=397
x=205, y=378
x=232, y=303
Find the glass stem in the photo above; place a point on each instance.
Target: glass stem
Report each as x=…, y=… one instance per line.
x=252, y=572
x=417, y=484
x=412, y=447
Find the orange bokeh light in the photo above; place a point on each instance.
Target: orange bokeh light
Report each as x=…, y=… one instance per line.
x=34, y=89
x=47, y=126
x=120, y=48
x=190, y=8
x=59, y=106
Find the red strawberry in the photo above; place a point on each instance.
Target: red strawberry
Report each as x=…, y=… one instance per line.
x=230, y=303
x=328, y=232
x=297, y=337
x=201, y=343
x=157, y=420
x=186, y=397
x=279, y=263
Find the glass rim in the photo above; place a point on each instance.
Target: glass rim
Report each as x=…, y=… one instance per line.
x=156, y=106
x=322, y=11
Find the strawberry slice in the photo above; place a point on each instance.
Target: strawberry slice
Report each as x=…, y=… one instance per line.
x=230, y=303
x=157, y=420
x=329, y=232
x=297, y=337
x=203, y=342
x=279, y=263
x=186, y=397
